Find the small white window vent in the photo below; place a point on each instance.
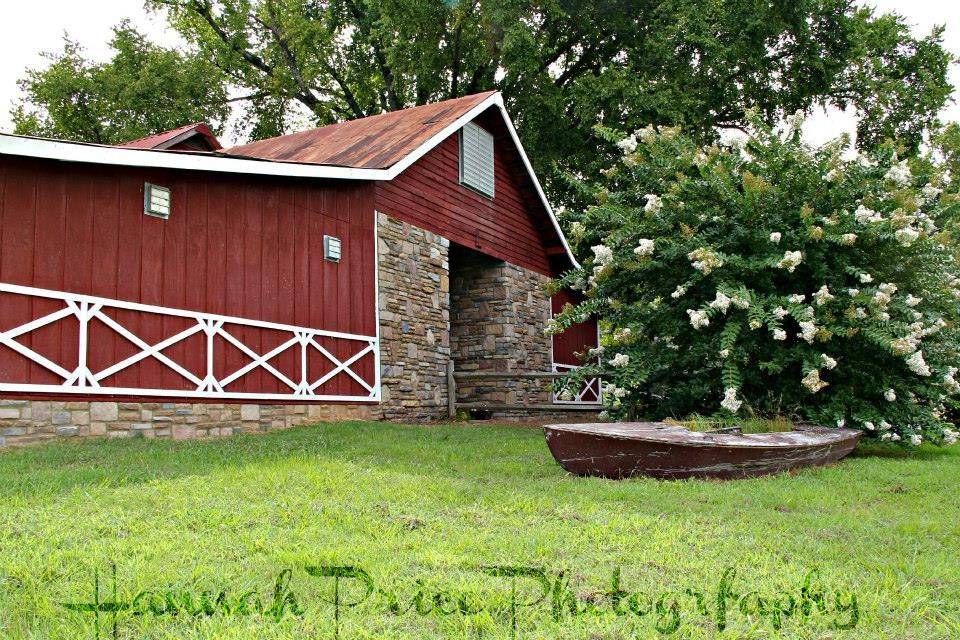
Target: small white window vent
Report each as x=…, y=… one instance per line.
x=156, y=200
x=476, y=159
x=331, y=248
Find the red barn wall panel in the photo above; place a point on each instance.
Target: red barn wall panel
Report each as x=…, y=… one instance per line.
x=241, y=246
x=569, y=346
x=512, y=226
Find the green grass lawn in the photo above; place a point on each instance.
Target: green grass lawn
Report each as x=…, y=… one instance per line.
x=424, y=509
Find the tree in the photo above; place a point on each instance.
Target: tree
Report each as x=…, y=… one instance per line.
x=565, y=66
x=774, y=279
x=143, y=89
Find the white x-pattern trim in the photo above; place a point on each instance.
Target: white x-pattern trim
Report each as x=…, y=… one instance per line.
x=589, y=393
x=82, y=380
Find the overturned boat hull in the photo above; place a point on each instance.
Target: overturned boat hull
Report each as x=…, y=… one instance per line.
x=659, y=450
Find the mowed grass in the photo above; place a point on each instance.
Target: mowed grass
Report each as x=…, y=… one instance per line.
x=434, y=504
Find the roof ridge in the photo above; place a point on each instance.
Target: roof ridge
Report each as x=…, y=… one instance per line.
x=160, y=133
x=354, y=122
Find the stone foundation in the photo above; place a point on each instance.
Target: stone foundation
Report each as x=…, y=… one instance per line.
x=31, y=421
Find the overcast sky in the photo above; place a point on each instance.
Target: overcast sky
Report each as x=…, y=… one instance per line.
x=29, y=27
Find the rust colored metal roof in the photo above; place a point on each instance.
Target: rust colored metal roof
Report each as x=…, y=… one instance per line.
x=171, y=139
x=375, y=142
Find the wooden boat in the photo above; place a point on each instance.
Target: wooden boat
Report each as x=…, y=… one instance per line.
x=625, y=449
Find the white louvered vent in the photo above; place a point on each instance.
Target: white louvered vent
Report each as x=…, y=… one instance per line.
x=156, y=200
x=476, y=159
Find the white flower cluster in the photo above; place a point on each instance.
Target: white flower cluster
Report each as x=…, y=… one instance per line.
x=904, y=346
x=796, y=298
x=813, y=382
x=899, y=174
x=602, y=257
x=617, y=392
x=808, y=331
x=912, y=301
x=916, y=364
x=950, y=380
x=823, y=296
x=602, y=254
x=698, y=319
x=827, y=361
x=678, y=292
x=775, y=237
x=950, y=436
x=552, y=327
x=644, y=247
x=620, y=360
x=790, y=260
x=721, y=302
x=704, y=260
x=906, y=236
x=654, y=204
x=848, y=239
x=629, y=144
x=622, y=335
x=730, y=401
x=884, y=294
x=577, y=229
x=863, y=215
x=890, y=395
x=930, y=192
x=648, y=133
x=779, y=334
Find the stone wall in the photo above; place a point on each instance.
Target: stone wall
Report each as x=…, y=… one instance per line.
x=414, y=320
x=499, y=311
x=31, y=421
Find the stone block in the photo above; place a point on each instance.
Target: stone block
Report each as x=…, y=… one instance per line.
x=60, y=417
x=81, y=418
x=104, y=411
x=40, y=411
x=67, y=431
x=184, y=432
x=14, y=431
x=7, y=413
x=249, y=412
x=98, y=428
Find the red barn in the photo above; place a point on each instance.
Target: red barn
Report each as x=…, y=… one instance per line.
x=170, y=287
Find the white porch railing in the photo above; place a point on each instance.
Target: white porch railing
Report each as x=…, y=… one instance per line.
x=84, y=381
x=589, y=393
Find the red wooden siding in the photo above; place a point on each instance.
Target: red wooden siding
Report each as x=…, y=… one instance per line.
x=572, y=343
x=240, y=246
x=512, y=226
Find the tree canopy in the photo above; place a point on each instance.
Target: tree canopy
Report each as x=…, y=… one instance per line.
x=143, y=89
x=564, y=66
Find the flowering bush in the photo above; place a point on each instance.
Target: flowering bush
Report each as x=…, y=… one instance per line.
x=771, y=278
